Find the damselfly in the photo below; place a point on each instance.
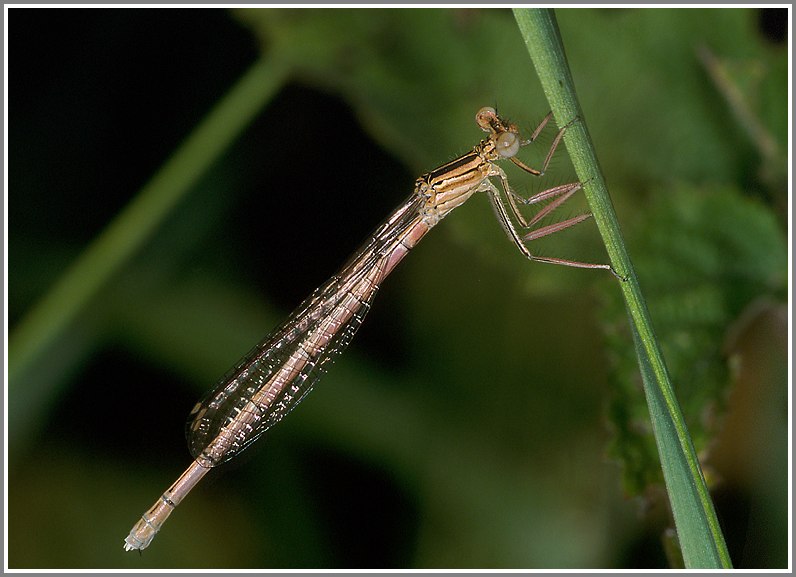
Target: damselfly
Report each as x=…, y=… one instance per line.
x=279, y=372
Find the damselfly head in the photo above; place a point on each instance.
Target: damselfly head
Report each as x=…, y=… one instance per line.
x=489, y=121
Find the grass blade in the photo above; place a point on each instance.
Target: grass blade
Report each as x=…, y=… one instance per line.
x=700, y=536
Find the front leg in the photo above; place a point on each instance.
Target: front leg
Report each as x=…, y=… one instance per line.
x=553, y=146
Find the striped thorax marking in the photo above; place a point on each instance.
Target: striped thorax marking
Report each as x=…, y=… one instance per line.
x=453, y=183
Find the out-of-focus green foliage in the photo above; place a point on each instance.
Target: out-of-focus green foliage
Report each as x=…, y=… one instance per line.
x=705, y=255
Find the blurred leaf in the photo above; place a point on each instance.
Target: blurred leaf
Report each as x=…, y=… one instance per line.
x=641, y=82
x=702, y=255
x=738, y=81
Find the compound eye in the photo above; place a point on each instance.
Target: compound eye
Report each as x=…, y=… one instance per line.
x=507, y=144
x=485, y=117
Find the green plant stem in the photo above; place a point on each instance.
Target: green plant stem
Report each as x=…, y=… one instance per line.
x=133, y=226
x=698, y=529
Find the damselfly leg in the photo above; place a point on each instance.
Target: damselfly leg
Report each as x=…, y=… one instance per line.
x=507, y=203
